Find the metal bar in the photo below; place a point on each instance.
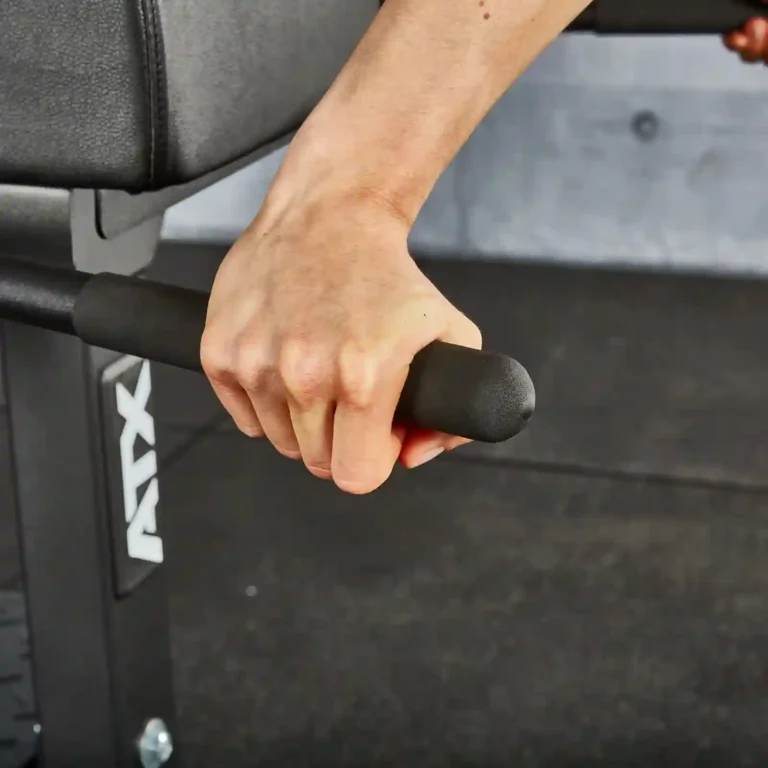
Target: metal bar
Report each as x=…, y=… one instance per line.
x=666, y=17
x=475, y=394
x=39, y=295
x=33, y=219
x=119, y=211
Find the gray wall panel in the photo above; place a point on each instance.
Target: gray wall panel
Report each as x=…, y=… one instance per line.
x=556, y=171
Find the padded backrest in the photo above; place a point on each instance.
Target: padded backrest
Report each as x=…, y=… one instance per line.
x=142, y=94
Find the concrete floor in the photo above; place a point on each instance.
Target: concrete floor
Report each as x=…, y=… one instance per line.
x=589, y=595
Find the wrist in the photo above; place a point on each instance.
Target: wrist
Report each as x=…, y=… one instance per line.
x=356, y=164
x=320, y=192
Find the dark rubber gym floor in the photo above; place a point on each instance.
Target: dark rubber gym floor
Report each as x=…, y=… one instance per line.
x=594, y=594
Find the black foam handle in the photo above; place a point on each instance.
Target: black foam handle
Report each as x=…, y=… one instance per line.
x=158, y=322
x=469, y=393
x=679, y=17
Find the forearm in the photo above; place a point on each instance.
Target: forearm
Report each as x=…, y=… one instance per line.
x=419, y=83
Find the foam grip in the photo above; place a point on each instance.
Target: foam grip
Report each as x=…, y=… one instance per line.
x=465, y=392
x=679, y=17
x=158, y=322
x=471, y=393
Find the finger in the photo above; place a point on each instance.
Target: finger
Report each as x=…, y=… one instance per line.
x=216, y=365
x=750, y=53
x=737, y=41
x=238, y=405
x=366, y=444
x=313, y=428
x=756, y=32
x=422, y=446
x=308, y=373
x=261, y=384
x=761, y=37
x=274, y=415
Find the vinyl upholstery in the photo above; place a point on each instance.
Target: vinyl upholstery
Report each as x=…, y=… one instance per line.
x=143, y=94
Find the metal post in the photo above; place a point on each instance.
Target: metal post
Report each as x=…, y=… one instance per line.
x=82, y=438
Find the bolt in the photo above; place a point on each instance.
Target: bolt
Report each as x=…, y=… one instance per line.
x=646, y=125
x=155, y=744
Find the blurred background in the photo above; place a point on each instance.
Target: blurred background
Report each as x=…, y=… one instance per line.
x=649, y=152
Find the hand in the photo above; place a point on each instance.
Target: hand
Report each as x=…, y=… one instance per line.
x=751, y=42
x=315, y=315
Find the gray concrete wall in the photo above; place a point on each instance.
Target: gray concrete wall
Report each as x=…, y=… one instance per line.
x=650, y=152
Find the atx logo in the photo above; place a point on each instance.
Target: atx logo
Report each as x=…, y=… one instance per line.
x=144, y=543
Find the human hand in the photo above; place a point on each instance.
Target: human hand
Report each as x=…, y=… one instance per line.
x=315, y=315
x=751, y=42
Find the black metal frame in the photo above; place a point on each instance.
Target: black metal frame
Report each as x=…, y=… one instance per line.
x=101, y=650
x=98, y=616
x=662, y=17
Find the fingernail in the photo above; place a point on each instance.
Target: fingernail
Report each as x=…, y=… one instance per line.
x=428, y=456
x=320, y=472
x=458, y=442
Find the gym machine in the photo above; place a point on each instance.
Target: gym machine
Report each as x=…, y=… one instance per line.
x=80, y=327
x=660, y=17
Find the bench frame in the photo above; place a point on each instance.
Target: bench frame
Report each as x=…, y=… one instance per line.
x=89, y=512
x=98, y=624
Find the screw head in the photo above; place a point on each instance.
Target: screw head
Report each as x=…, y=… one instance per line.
x=155, y=744
x=646, y=125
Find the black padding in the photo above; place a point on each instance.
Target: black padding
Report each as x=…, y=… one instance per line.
x=143, y=94
x=452, y=389
x=479, y=395
x=241, y=73
x=73, y=93
x=667, y=16
x=159, y=322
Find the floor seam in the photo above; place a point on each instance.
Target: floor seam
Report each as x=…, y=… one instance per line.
x=620, y=475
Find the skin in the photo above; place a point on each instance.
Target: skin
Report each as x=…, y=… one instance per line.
x=751, y=42
x=318, y=310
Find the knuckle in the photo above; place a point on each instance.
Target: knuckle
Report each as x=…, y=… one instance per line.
x=358, y=374
x=215, y=357
x=305, y=370
x=252, y=364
